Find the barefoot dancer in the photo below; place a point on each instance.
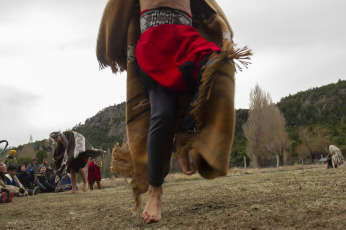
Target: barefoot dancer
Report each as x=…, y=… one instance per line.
x=71, y=155
x=175, y=66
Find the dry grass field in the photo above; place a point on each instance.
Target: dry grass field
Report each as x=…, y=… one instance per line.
x=314, y=198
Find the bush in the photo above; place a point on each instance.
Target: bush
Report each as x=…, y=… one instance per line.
x=40, y=155
x=343, y=150
x=24, y=160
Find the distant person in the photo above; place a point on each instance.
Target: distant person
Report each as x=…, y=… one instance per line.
x=26, y=181
x=11, y=179
x=41, y=180
x=329, y=160
x=33, y=168
x=71, y=155
x=94, y=173
x=3, y=182
x=11, y=159
x=49, y=170
x=6, y=191
x=335, y=156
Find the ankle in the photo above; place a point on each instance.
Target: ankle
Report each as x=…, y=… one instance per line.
x=155, y=190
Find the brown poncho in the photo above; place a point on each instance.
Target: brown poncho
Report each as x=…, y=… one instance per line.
x=210, y=144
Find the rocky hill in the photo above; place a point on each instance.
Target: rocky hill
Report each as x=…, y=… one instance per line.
x=106, y=128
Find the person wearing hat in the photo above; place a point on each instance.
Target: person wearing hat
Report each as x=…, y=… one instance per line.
x=71, y=155
x=33, y=168
x=41, y=180
x=11, y=159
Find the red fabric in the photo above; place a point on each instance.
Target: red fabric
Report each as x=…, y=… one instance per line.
x=93, y=172
x=162, y=49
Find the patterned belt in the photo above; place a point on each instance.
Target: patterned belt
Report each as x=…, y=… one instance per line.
x=164, y=15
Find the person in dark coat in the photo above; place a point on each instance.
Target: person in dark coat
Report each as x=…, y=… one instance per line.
x=26, y=181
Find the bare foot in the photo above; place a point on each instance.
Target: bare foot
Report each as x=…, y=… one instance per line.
x=71, y=192
x=152, y=210
x=187, y=166
x=85, y=187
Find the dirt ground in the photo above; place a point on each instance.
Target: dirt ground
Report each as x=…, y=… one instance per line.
x=309, y=199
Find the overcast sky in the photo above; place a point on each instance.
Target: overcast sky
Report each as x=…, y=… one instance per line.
x=50, y=78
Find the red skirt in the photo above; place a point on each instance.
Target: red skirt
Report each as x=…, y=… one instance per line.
x=164, y=51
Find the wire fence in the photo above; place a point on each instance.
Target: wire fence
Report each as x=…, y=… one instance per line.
x=274, y=165
x=277, y=165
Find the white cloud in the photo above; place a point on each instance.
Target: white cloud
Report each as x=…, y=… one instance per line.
x=50, y=78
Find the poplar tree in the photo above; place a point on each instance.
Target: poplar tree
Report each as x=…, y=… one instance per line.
x=265, y=130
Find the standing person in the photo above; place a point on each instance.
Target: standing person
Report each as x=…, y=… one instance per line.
x=41, y=180
x=189, y=84
x=94, y=173
x=11, y=159
x=71, y=155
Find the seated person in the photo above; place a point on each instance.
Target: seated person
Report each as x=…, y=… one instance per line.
x=25, y=180
x=49, y=171
x=7, y=191
x=33, y=168
x=41, y=180
x=10, y=181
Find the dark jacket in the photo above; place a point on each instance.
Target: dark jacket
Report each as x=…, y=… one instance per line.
x=25, y=179
x=41, y=179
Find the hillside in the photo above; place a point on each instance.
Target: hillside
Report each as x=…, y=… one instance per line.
x=326, y=105
x=318, y=106
x=106, y=128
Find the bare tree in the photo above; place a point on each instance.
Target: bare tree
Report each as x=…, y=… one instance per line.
x=265, y=130
x=314, y=141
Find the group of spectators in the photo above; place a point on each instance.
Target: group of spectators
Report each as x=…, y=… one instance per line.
x=20, y=180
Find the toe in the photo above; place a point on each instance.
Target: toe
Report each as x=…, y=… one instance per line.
x=152, y=220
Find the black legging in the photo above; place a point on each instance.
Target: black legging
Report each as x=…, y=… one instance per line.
x=164, y=105
x=163, y=114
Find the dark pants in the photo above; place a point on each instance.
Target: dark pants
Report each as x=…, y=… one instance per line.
x=163, y=114
x=164, y=104
x=49, y=187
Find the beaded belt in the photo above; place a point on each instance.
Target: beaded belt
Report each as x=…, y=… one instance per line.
x=164, y=15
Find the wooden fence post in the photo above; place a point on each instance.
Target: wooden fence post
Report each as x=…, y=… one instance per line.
x=245, y=165
x=303, y=164
x=277, y=163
